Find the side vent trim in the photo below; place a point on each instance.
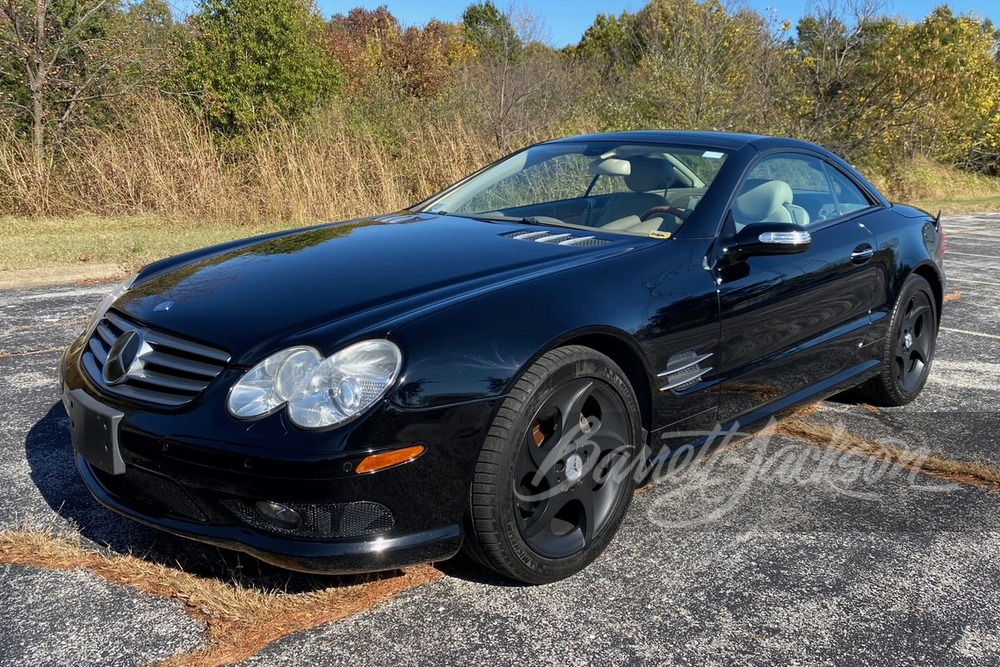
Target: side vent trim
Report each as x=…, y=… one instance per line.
x=557, y=238
x=684, y=370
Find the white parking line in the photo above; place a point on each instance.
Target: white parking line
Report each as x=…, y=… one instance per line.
x=972, y=282
x=968, y=254
x=971, y=333
x=971, y=265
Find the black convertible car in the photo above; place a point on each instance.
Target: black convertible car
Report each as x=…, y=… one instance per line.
x=488, y=366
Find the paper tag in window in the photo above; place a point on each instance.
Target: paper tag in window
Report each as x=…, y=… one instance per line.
x=660, y=235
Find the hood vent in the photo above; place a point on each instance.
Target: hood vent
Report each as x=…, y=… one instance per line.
x=557, y=238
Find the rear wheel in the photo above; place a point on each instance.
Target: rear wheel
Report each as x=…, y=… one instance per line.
x=909, y=349
x=555, y=476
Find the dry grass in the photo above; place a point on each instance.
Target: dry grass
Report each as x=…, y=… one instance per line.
x=160, y=162
x=825, y=435
x=938, y=187
x=157, y=183
x=952, y=296
x=240, y=621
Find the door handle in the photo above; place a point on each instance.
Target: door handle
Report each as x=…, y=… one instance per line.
x=862, y=254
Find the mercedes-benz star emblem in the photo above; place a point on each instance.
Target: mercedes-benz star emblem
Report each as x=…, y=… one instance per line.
x=122, y=356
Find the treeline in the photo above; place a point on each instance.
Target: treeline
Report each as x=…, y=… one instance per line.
x=263, y=108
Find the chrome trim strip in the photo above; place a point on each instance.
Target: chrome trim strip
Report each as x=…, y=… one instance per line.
x=576, y=240
x=692, y=376
x=154, y=337
x=98, y=350
x=553, y=239
x=785, y=238
x=688, y=364
x=527, y=236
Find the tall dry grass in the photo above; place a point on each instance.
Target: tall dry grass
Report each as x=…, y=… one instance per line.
x=158, y=159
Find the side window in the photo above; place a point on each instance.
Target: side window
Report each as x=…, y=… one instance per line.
x=849, y=196
x=790, y=188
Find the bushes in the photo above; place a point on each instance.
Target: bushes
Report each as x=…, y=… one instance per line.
x=261, y=110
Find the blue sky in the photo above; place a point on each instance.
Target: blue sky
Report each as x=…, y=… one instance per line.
x=567, y=19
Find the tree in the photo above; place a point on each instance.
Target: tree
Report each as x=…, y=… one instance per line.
x=253, y=62
x=61, y=58
x=691, y=64
x=515, y=79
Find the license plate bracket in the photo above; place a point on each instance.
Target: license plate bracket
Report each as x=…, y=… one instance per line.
x=94, y=431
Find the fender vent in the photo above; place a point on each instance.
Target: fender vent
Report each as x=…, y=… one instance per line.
x=557, y=238
x=684, y=370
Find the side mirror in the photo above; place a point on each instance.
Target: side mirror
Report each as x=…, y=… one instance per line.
x=769, y=238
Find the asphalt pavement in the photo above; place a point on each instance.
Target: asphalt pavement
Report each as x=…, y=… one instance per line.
x=776, y=550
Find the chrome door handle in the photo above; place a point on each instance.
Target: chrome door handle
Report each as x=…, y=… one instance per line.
x=862, y=254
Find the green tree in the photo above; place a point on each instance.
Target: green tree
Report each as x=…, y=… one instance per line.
x=254, y=62
x=490, y=31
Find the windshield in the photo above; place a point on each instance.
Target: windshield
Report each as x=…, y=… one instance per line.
x=628, y=188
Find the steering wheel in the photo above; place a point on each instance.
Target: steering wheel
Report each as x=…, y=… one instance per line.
x=672, y=210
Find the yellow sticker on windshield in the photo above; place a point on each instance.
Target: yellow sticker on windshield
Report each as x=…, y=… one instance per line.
x=660, y=235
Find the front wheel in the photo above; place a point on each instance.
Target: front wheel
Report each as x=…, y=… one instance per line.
x=556, y=474
x=908, y=349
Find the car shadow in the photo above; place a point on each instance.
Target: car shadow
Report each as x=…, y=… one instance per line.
x=49, y=452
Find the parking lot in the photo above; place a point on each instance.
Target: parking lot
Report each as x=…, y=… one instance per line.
x=846, y=535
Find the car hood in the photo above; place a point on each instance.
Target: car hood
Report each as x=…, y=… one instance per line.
x=325, y=285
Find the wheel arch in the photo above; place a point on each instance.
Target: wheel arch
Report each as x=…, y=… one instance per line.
x=930, y=273
x=616, y=346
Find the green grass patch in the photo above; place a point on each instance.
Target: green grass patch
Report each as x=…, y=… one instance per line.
x=129, y=242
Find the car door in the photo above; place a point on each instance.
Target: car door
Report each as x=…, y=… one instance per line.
x=791, y=323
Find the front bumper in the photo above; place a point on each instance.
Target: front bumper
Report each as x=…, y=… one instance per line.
x=179, y=479
x=319, y=557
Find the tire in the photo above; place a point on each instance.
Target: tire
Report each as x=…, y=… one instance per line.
x=906, y=362
x=515, y=517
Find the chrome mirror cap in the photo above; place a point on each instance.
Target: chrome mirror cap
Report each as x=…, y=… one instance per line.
x=786, y=238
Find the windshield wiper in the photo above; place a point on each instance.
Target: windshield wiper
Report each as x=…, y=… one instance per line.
x=527, y=220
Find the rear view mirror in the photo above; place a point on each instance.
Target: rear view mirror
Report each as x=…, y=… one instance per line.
x=770, y=238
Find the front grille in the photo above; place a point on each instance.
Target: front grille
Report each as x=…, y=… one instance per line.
x=168, y=371
x=335, y=520
x=151, y=491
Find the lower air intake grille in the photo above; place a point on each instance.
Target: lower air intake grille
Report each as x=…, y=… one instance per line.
x=151, y=491
x=321, y=521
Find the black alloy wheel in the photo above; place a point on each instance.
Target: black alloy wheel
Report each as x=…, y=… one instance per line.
x=564, y=490
x=908, y=350
x=556, y=474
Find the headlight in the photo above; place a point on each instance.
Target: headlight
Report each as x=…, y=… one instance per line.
x=318, y=392
x=116, y=292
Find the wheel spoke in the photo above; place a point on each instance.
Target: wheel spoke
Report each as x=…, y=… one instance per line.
x=922, y=346
x=542, y=519
x=569, y=401
x=584, y=494
x=537, y=458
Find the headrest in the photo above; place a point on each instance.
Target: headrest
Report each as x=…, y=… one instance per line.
x=648, y=173
x=760, y=202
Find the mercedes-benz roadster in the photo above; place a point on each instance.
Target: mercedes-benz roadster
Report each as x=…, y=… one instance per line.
x=488, y=367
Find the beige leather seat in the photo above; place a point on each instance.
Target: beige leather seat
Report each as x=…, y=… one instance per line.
x=769, y=202
x=645, y=174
